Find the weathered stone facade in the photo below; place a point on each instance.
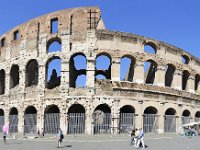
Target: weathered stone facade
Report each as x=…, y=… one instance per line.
x=25, y=57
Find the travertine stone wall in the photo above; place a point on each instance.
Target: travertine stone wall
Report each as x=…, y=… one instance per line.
x=77, y=37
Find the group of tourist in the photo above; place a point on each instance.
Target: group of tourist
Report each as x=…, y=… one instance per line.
x=137, y=138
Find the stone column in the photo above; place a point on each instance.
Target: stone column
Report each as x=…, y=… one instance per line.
x=22, y=74
x=160, y=76
x=89, y=123
x=177, y=80
x=90, y=72
x=161, y=119
x=115, y=69
x=65, y=75
x=139, y=72
x=41, y=79
x=63, y=118
x=7, y=82
x=190, y=84
x=139, y=115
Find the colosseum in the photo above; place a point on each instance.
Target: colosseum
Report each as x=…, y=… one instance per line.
x=158, y=89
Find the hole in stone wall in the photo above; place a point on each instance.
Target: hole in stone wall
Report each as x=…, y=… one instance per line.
x=54, y=25
x=16, y=35
x=103, y=66
x=150, y=110
x=197, y=80
x=150, y=68
x=170, y=111
x=127, y=68
x=2, y=42
x=150, y=48
x=169, y=74
x=185, y=59
x=185, y=77
x=53, y=72
x=14, y=76
x=78, y=66
x=54, y=45
x=2, y=82
x=31, y=73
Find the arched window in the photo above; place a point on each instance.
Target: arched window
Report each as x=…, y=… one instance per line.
x=14, y=76
x=77, y=66
x=32, y=73
x=185, y=77
x=185, y=59
x=197, y=80
x=150, y=48
x=2, y=82
x=103, y=68
x=127, y=65
x=54, y=45
x=53, y=75
x=169, y=74
x=150, y=68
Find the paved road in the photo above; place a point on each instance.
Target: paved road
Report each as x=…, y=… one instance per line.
x=120, y=142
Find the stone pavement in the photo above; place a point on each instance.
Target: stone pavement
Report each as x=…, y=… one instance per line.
x=103, y=142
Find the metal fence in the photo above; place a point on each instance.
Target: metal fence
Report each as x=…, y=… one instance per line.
x=1, y=122
x=185, y=120
x=30, y=123
x=102, y=123
x=13, y=123
x=51, y=123
x=76, y=123
x=150, y=122
x=197, y=119
x=170, y=123
x=127, y=122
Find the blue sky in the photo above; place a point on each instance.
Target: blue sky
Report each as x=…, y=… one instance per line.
x=174, y=21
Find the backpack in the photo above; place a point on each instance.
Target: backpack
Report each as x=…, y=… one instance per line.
x=62, y=136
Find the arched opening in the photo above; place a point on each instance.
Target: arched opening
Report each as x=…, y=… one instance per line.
x=186, y=116
x=13, y=120
x=150, y=48
x=169, y=74
x=2, y=82
x=170, y=120
x=32, y=73
x=127, y=118
x=51, y=119
x=53, y=72
x=150, y=68
x=1, y=119
x=102, y=119
x=197, y=80
x=103, y=68
x=78, y=67
x=30, y=120
x=197, y=116
x=14, y=76
x=150, y=119
x=185, y=59
x=185, y=78
x=127, y=65
x=54, y=45
x=76, y=119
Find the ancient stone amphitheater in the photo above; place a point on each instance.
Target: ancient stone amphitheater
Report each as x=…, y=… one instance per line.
x=159, y=98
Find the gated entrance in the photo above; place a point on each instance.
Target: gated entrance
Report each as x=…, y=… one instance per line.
x=170, y=120
x=197, y=116
x=51, y=119
x=186, y=117
x=127, y=119
x=13, y=120
x=76, y=119
x=102, y=119
x=150, y=120
x=1, y=119
x=30, y=120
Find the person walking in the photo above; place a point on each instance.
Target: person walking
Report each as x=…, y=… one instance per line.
x=140, y=139
x=60, y=137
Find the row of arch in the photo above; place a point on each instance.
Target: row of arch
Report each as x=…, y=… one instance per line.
x=78, y=72
x=101, y=119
